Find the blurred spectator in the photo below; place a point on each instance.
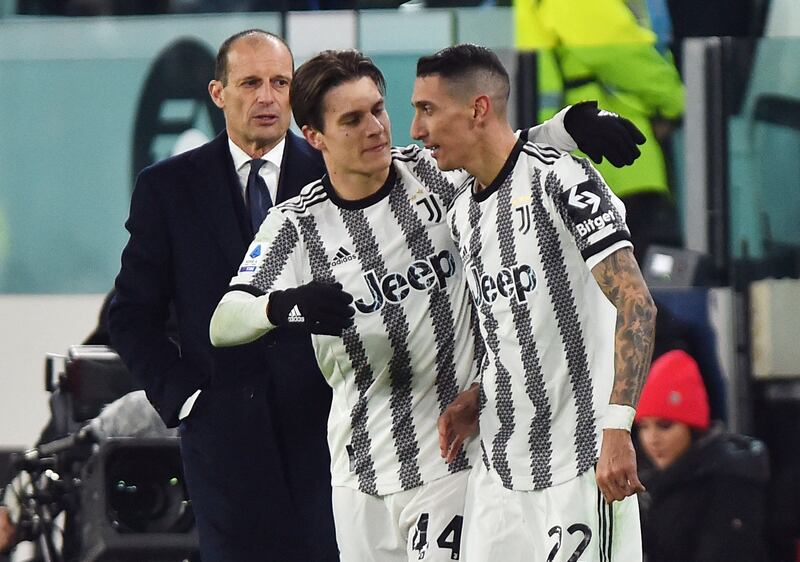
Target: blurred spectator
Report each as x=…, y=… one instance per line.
x=705, y=499
x=699, y=341
x=604, y=50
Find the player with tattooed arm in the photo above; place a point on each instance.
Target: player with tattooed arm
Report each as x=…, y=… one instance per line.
x=567, y=322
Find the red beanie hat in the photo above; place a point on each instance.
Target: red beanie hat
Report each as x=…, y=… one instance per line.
x=674, y=391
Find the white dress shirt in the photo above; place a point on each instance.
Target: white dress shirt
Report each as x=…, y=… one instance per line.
x=269, y=171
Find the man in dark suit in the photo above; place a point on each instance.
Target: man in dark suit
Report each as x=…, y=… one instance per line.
x=252, y=419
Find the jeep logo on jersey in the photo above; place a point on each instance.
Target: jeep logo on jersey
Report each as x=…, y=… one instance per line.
x=510, y=283
x=394, y=287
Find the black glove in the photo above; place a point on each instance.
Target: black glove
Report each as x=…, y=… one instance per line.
x=601, y=133
x=324, y=308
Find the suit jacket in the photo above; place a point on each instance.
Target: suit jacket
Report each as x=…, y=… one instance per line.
x=189, y=231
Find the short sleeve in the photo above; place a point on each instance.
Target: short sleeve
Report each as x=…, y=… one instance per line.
x=593, y=215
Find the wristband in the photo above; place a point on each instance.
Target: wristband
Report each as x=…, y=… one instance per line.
x=619, y=416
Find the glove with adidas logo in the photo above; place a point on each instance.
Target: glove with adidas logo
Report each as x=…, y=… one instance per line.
x=601, y=133
x=319, y=308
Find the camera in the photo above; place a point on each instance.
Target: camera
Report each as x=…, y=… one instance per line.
x=115, y=478
x=134, y=505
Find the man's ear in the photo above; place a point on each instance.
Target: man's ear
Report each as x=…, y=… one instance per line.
x=215, y=91
x=314, y=137
x=481, y=107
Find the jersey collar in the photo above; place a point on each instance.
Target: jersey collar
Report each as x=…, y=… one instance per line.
x=511, y=161
x=368, y=201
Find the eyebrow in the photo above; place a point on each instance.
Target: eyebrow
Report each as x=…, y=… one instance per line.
x=256, y=77
x=349, y=114
x=359, y=112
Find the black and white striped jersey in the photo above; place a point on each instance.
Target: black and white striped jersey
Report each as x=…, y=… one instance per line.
x=528, y=243
x=411, y=348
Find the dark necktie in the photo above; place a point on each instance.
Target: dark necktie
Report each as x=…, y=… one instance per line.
x=258, y=199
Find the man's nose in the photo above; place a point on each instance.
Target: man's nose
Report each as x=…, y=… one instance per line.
x=375, y=125
x=416, y=129
x=265, y=93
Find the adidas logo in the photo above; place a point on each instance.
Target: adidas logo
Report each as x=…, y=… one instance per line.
x=295, y=316
x=342, y=256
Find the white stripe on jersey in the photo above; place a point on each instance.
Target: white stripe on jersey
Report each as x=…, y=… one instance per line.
x=411, y=348
x=313, y=193
x=529, y=241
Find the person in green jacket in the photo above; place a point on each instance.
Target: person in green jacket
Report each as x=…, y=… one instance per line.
x=604, y=50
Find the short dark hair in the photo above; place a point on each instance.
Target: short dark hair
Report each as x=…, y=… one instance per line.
x=221, y=65
x=465, y=63
x=318, y=75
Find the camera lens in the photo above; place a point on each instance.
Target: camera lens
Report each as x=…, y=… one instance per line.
x=146, y=492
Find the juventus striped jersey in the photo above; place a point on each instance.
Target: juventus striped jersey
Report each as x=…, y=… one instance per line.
x=410, y=350
x=528, y=242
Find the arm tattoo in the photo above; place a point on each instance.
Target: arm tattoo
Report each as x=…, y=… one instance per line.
x=621, y=280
